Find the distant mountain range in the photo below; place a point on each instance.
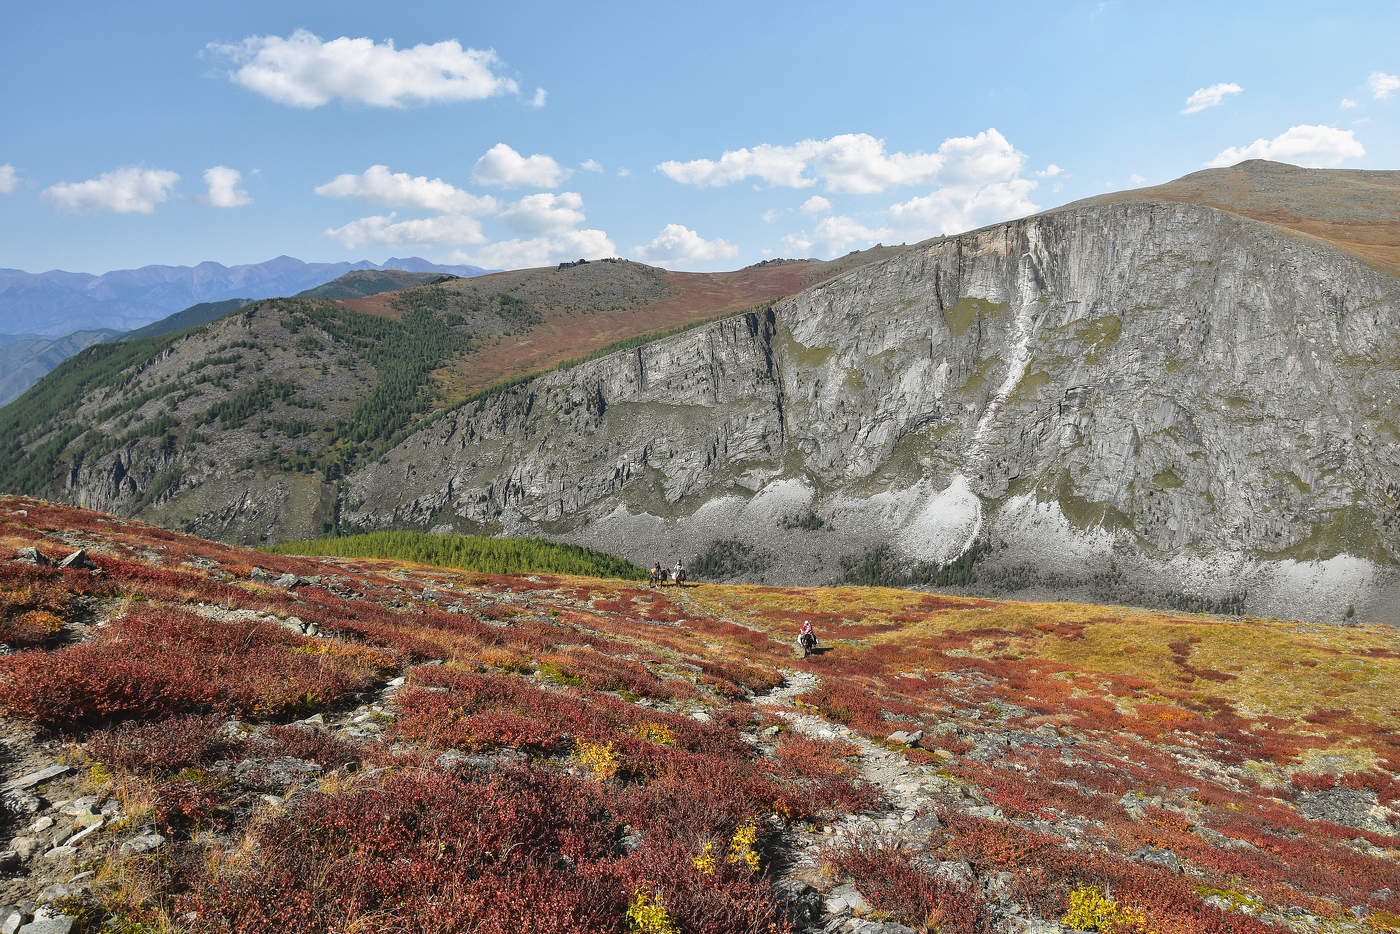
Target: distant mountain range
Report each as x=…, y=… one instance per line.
x=56, y=303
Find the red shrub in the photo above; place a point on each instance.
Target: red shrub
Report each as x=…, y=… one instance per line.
x=514, y=850
x=161, y=662
x=883, y=873
x=164, y=746
x=312, y=744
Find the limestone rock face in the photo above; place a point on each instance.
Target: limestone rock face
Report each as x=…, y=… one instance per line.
x=1129, y=401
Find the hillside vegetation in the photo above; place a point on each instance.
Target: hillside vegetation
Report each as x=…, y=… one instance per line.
x=239, y=742
x=191, y=317
x=284, y=397
x=361, y=282
x=469, y=553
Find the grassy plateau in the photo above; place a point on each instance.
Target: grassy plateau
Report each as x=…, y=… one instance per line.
x=349, y=744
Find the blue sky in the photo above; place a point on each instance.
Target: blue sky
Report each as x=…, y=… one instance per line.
x=698, y=136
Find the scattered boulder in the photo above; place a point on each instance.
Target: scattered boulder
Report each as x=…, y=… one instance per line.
x=1340, y=805
x=1152, y=856
x=9, y=860
x=459, y=760
x=78, y=561
x=88, y=831
x=954, y=872
x=145, y=843
x=801, y=902
x=32, y=555
x=48, y=923
x=10, y=919
x=906, y=738
x=85, y=806
x=39, y=777
x=279, y=772
x=24, y=847
x=846, y=898
x=20, y=804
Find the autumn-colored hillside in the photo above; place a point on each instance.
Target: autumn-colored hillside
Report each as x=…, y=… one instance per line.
x=1357, y=210
x=567, y=313
x=201, y=737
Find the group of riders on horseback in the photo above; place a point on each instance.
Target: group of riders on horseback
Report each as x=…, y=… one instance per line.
x=658, y=576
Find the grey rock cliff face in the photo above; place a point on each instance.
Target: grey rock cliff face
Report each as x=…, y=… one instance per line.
x=1124, y=401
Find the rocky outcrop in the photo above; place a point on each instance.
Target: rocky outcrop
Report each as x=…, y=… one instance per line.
x=1141, y=401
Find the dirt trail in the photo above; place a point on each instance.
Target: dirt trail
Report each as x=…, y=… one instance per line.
x=909, y=791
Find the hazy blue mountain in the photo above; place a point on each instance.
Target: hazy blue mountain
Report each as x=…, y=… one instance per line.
x=25, y=360
x=55, y=303
x=202, y=313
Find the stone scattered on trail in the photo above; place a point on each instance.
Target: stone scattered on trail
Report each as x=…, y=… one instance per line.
x=846, y=898
x=280, y=772
x=25, y=847
x=142, y=844
x=862, y=926
x=46, y=923
x=1152, y=856
x=20, y=803
x=88, y=831
x=905, y=738
x=32, y=555
x=802, y=902
x=78, y=561
x=10, y=919
x=35, y=778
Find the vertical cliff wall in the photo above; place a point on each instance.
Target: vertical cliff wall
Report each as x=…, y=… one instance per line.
x=1131, y=401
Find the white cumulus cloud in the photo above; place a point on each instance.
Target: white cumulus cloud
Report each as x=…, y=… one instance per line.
x=504, y=167
x=223, y=187
x=1306, y=144
x=303, y=70
x=128, y=190
x=591, y=165
x=1382, y=85
x=955, y=209
x=1348, y=103
x=853, y=162
x=1050, y=171
x=540, y=251
x=834, y=236
x=545, y=213
x=9, y=179
x=540, y=96
x=1212, y=96
x=815, y=205
x=677, y=244
x=378, y=185
x=386, y=231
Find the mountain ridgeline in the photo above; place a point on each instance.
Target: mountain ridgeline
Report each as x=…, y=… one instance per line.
x=1146, y=400
x=54, y=303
